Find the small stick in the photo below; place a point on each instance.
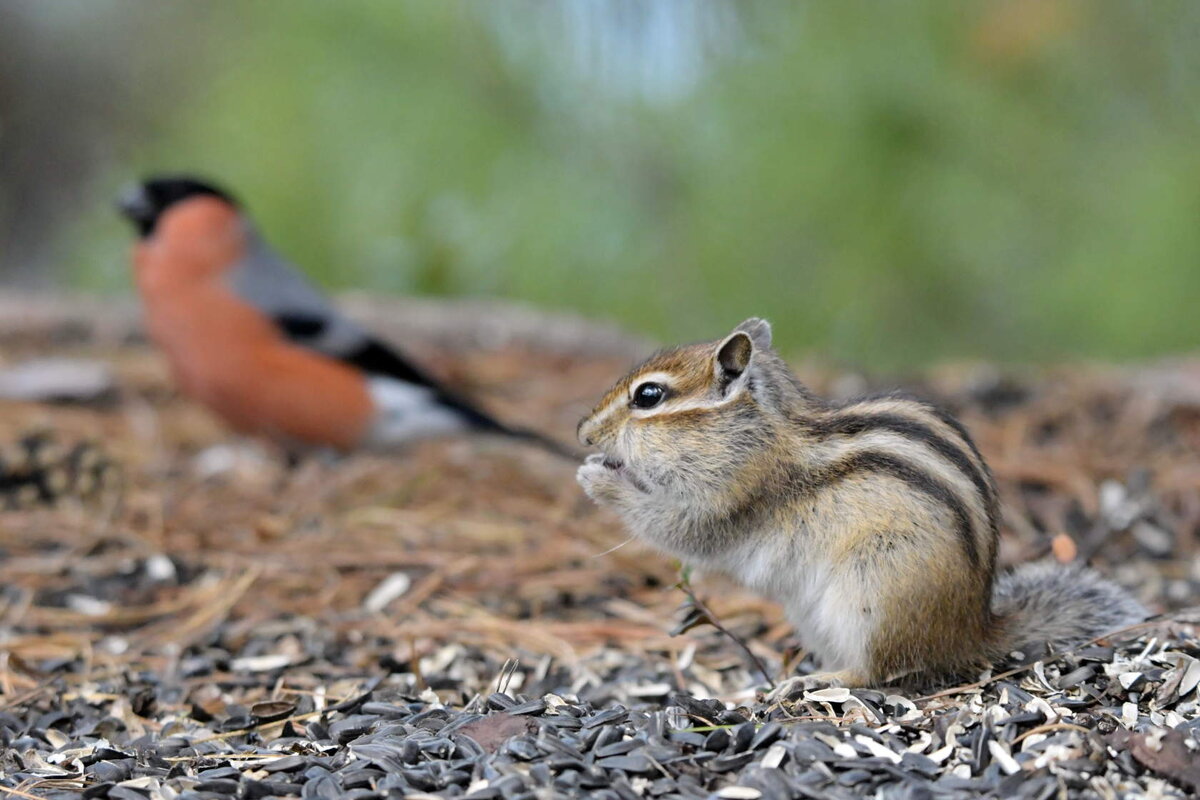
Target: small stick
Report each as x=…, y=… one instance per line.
x=8, y=702
x=415, y=664
x=1050, y=726
x=506, y=673
x=685, y=586
x=680, y=680
x=225, y=757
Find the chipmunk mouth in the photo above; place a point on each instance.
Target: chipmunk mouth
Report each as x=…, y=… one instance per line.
x=619, y=467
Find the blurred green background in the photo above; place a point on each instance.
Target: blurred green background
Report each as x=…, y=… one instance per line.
x=890, y=183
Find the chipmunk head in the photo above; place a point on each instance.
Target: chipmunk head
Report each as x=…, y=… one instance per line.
x=690, y=417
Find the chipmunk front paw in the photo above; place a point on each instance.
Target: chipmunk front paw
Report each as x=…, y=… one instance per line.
x=599, y=481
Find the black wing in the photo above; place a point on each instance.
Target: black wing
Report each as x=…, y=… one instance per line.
x=376, y=358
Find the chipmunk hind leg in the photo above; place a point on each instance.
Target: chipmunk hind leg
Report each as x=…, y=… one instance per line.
x=923, y=607
x=934, y=621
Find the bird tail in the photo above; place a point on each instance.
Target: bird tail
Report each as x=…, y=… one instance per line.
x=410, y=411
x=485, y=423
x=381, y=361
x=1049, y=606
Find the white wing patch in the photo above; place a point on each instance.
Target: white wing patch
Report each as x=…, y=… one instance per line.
x=405, y=412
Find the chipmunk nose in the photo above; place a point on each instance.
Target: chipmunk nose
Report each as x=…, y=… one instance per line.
x=583, y=433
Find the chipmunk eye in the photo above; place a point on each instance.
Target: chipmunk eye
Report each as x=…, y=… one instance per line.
x=648, y=395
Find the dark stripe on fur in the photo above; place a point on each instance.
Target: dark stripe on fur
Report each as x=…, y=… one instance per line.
x=993, y=497
x=874, y=461
x=942, y=415
x=757, y=510
x=852, y=423
x=947, y=418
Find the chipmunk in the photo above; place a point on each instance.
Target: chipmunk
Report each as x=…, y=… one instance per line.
x=874, y=523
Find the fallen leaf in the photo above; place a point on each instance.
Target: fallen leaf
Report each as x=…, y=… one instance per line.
x=1164, y=751
x=1064, y=548
x=495, y=729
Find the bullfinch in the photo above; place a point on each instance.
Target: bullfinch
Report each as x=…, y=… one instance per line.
x=250, y=338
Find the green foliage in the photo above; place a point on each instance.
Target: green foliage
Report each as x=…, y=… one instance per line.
x=887, y=182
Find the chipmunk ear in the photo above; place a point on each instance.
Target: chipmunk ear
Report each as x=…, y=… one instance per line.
x=759, y=330
x=733, y=357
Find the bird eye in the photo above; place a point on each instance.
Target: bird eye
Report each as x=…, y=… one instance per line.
x=648, y=395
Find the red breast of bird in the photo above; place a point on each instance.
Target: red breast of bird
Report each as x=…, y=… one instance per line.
x=228, y=355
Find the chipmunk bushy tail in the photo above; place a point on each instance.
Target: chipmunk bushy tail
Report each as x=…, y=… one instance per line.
x=1048, y=605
